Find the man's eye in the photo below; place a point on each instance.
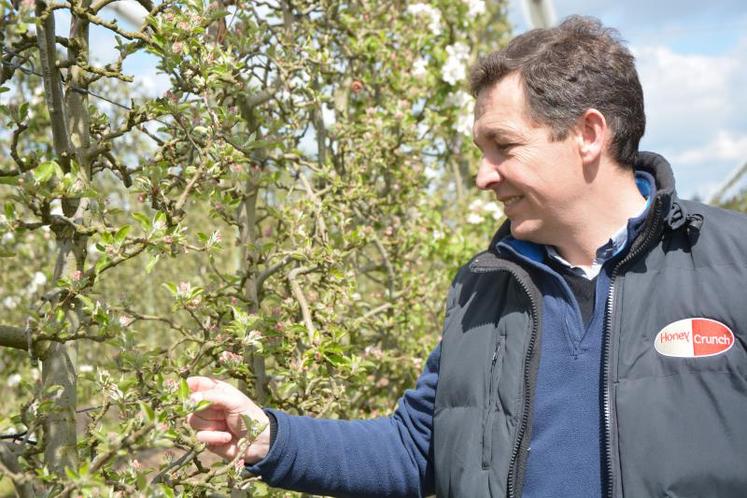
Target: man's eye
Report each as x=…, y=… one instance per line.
x=503, y=146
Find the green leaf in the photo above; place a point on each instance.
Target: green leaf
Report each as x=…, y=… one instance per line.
x=143, y=220
x=9, y=180
x=183, y=389
x=101, y=263
x=46, y=170
x=167, y=491
x=148, y=410
x=152, y=263
x=87, y=302
x=23, y=111
x=121, y=234
x=10, y=210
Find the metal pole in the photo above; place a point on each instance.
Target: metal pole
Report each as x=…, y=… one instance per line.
x=538, y=13
x=730, y=181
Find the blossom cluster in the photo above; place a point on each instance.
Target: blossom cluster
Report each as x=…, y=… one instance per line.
x=454, y=69
x=428, y=11
x=475, y=7
x=479, y=208
x=465, y=103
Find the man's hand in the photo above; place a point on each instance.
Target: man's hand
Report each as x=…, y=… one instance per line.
x=220, y=425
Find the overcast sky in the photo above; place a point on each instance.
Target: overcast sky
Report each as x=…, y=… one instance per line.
x=692, y=61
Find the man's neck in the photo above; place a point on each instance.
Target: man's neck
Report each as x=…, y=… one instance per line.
x=609, y=213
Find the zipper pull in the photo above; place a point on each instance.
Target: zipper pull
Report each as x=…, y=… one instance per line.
x=694, y=223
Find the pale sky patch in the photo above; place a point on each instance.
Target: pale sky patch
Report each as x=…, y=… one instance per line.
x=726, y=146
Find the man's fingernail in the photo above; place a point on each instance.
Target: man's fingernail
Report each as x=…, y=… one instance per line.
x=196, y=397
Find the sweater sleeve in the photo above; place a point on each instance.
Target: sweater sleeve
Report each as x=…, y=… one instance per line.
x=389, y=456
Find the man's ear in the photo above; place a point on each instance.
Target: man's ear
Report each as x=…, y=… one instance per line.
x=592, y=135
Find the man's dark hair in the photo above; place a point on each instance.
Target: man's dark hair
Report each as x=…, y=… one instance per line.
x=568, y=69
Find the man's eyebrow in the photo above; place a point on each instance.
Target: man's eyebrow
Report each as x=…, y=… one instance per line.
x=497, y=134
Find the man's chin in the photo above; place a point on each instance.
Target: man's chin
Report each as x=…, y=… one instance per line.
x=522, y=230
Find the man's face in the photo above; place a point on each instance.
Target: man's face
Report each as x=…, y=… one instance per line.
x=540, y=182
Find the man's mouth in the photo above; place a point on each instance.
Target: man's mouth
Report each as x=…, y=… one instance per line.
x=508, y=201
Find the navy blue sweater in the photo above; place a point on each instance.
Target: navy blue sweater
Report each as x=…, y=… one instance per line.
x=392, y=456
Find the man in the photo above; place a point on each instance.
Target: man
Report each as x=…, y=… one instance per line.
x=595, y=349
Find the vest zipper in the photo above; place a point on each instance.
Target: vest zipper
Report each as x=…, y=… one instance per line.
x=492, y=407
x=607, y=414
x=519, y=452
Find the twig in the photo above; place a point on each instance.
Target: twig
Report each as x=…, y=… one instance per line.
x=376, y=310
x=179, y=462
x=271, y=271
x=317, y=204
x=298, y=293
x=22, y=166
x=112, y=25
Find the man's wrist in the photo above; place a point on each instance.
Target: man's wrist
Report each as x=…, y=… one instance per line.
x=262, y=444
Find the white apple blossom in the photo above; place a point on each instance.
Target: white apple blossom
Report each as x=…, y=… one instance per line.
x=474, y=219
x=454, y=69
x=494, y=209
x=37, y=281
x=464, y=123
x=85, y=368
x=479, y=208
x=438, y=235
x=476, y=205
x=8, y=237
x=420, y=67
x=475, y=7
x=13, y=380
x=183, y=289
x=465, y=104
x=434, y=15
x=10, y=302
x=175, y=170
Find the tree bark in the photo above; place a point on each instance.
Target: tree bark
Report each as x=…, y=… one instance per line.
x=248, y=237
x=71, y=141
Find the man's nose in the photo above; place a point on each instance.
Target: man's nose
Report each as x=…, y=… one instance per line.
x=487, y=174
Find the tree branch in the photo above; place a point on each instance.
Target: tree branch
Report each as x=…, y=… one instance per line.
x=14, y=337
x=298, y=293
x=45, y=36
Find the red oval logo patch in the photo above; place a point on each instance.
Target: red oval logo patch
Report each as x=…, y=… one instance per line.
x=694, y=338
